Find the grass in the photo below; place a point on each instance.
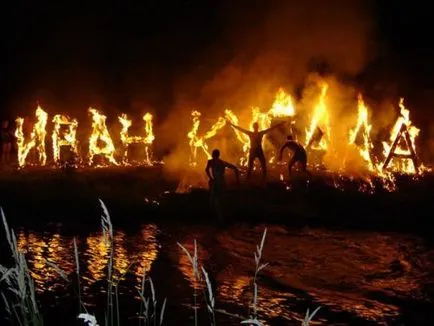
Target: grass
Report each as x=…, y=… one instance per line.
x=20, y=299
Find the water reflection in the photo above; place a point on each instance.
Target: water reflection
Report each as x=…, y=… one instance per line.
x=146, y=252
x=98, y=254
x=134, y=252
x=235, y=286
x=97, y=257
x=184, y=264
x=42, y=249
x=365, y=274
x=345, y=271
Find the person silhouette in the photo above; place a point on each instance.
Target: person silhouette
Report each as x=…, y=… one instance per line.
x=215, y=170
x=298, y=155
x=6, y=138
x=256, y=150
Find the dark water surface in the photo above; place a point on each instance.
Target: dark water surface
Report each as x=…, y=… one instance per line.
x=357, y=277
x=365, y=259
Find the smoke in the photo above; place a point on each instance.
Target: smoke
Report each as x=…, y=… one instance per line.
x=294, y=39
x=430, y=154
x=281, y=43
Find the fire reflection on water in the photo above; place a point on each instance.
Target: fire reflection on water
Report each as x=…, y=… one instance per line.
x=147, y=251
x=238, y=289
x=41, y=250
x=184, y=264
x=365, y=274
x=344, y=271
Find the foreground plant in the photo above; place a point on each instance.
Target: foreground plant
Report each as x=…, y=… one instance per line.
x=150, y=316
x=20, y=298
x=112, y=312
x=253, y=320
x=198, y=281
x=20, y=302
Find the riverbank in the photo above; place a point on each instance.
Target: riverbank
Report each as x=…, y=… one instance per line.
x=141, y=195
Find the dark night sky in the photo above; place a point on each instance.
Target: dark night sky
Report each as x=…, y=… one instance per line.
x=102, y=53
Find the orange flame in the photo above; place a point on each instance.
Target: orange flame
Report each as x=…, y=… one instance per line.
x=243, y=138
x=320, y=120
x=100, y=134
x=200, y=142
x=147, y=140
x=66, y=137
x=283, y=105
x=37, y=138
x=403, y=165
x=364, y=129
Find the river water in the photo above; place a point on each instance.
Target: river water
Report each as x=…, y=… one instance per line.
x=357, y=277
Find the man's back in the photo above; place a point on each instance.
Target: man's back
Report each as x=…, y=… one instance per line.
x=218, y=167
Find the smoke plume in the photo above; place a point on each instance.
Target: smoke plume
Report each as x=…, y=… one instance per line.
x=280, y=43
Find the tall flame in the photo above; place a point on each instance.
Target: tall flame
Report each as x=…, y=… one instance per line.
x=100, y=134
x=64, y=137
x=200, y=142
x=402, y=165
x=37, y=138
x=283, y=105
x=243, y=138
x=320, y=121
x=147, y=139
x=363, y=128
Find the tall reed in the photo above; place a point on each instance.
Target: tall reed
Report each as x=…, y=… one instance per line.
x=20, y=299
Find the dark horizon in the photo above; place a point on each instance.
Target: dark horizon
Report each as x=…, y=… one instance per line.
x=122, y=56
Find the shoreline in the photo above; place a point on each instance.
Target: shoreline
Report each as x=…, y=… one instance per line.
x=140, y=195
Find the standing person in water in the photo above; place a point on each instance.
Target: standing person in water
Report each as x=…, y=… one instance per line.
x=215, y=170
x=256, y=150
x=6, y=138
x=298, y=154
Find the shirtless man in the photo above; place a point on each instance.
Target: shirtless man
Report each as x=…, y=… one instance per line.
x=256, y=150
x=298, y=155
x=215, y=170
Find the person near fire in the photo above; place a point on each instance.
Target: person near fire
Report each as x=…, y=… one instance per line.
x=256, y=150
x=298, y=155
x=215, y=170
x=6, y=138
